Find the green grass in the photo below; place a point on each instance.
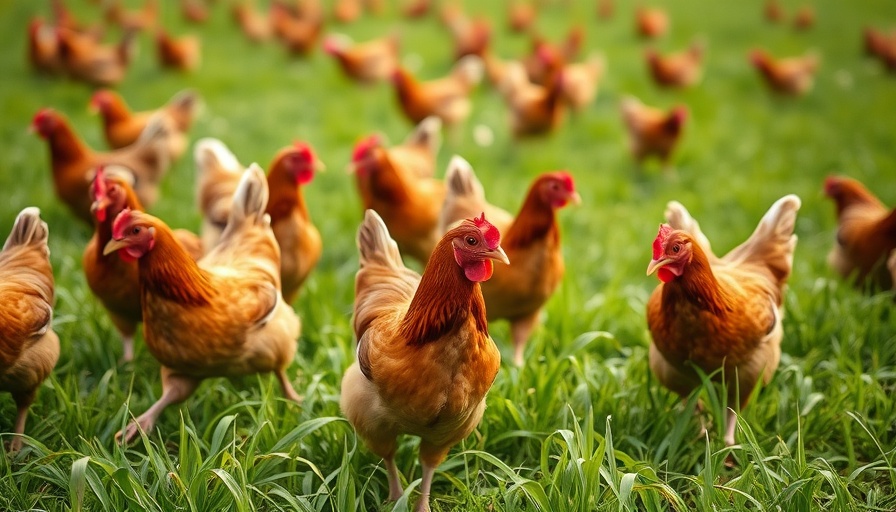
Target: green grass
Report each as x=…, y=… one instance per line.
x=583, y=425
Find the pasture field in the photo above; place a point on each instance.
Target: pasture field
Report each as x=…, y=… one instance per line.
x=583, y=425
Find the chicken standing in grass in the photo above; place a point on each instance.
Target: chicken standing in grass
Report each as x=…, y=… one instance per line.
x=86, y=60
x=534, y=109
x=866, y=234
x=651, y=22
x=222, y=316
x=366, y=62
x=712, y=313
x=43, y=47
x=425, y=358
x=790, y=76
x=519, y=291
x=179, y=53
x=682, y=69
x=652, y=132
x=29, y=348
x=447, y=97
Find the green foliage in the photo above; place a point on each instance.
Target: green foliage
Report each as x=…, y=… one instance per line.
x=583, y=425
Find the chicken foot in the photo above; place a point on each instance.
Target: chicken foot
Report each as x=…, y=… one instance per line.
x=520, y=330
x=395, y=490
x=23, y=402
x=175, y=389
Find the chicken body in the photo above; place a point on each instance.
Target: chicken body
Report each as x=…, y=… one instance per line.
x=516, y=292
x=220, y=316
x=29, y=348
x=408, y=202
x=181, y=53
x=43, y=47
x=447, y=97
x=297, y=31
x=792, y=76
x=84, y=59
x=255, y=25
x=866, y=234
x=122, y=127
x=425, y=359
x=366, y=62
x=720, y=313
x=682, y=69
x=651, y=22
x=534, y=109
x=73, y=163
x=581, y=81
x=652, y=132
x=137, y=20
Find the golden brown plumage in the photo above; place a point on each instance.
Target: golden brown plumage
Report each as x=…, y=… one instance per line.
x=140, y=19
x=255, y=25
x=651, y=22
x=652, y=131
x=28, y=346
x=773, y=11
x=408, y=202
x=122, y=127
x=521, y=15
x=73, y=163
x=804, y=18
x=866, y=234
x=297, y=31
x=425, y=358
x=534, y=109
x=43, y=47
x=220, y=316
x=793, y=76
x=681, y=69
x=471, y=35
x=720, y=313
x=180, y=53
x=347, y=11
x=516, y=292
x=86, y=60
x=419, y=150
x=366, y=62
x=446, y=97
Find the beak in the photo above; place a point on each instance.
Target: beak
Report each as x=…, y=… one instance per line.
x=319, y=165
x=575, y=198
x=656, y=264
x=498, y=255
x=113, y=246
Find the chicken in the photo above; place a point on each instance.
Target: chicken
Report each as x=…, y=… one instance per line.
x=73, y=163
x=194, y=11
x=113, y=280
x=495, y=67
x=299, y=34
x=425, y=358
x=866, y=234
x=471, y=36
x=534, y=109
x=408, y=202
x=804, y=18
x=722, y=313
x=222, y=316
x=876, y=42
x=519, y=291
x=652, y=131
x=347, y=11
x=581, y=81
x=651, y=22
x=29, y=348
x=122, y=127
x=447, y=97
x=546, y=58
x=181, y=53
x=255, y=25
x=773, y=11
x=521, y=15
x=292, y=168
x=43, y=48
x=417, y=8
x=366, y=62
x=682, y=69
x=605, y=9
x=84, y=59
x=792, y=76
x=144, y=18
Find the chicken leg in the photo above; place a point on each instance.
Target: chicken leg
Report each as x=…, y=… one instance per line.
x=23, y=402
x=176, y=388
x=520, y=330
x=286, y=385
x=395, y=490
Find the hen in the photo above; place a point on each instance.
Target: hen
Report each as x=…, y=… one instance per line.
x=652, y=131
x=122, y=127
x=222, y=316
x=534, y=109
x=711, y=313
x=521, y=15
x=581, y=81
x=519, y=291
x=408, y=202
x=682, y=69
x=804, y=18
x=425, y=358
x=73, y=163
x=84, y=59
x=298, y=32
x=773, y=11
x=447, y=97
x=347, y=11
x=793, y=76
x=28, y=346
x=419, y=150
x=651, y=22
x=255, y=25
x=179, y=53
x=43, y=47
x=113, y=279
x=471, y=35
x=366, y=62
x=137, y=20
x=866, y=234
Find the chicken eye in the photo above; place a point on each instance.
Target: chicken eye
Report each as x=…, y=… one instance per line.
x=471, y=241
x=676, y=248
x=135, y=230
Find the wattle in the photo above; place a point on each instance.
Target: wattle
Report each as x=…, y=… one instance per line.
x=478, y=271
x=665, y=275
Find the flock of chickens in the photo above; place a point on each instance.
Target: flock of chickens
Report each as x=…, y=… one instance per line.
x=218, y=304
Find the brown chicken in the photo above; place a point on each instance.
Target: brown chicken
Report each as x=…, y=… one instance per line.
x=471, y=36
x=347, y=11
x=222, y=316
x=292, y=168
x=73, y=163
x=29, y=348
x=720, y=313
x=651, y=22
x=521, y=15
x=86, y=60
x=417, y=8
x=113, y=279
x=142, y=19
x=419, y=150
x=255, y=25
x=447, y=97
x=581, y=80
x=516, y=292
x=791, y=76
x=122, y=127
x=425, y=358
x=534, y=109
x=408, y=202
x=876, y=42
x=194, y=11
x=773, y=11
x=682, y=69
x=804, y=18
x=298, y=33
x=180, y=53
x=546, y=58
x=366, y=62
x=866, y=234
x=43, y=47
x=652, y=131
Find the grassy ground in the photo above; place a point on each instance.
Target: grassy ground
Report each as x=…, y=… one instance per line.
x=583, y=425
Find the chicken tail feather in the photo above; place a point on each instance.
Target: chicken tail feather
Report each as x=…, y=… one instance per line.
x=28, y=229
x=250, y=199
x=375, y=245
x=461, y=180
x=211, y=153
x=427, y=133
x=773, y=241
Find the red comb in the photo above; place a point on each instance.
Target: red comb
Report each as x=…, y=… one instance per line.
x=99, y=184
x=566, y=179
x=489, y=232
x=830, y=185
x=660, y=241
x=363, y=147
x=304, y=150
x=120, y=223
